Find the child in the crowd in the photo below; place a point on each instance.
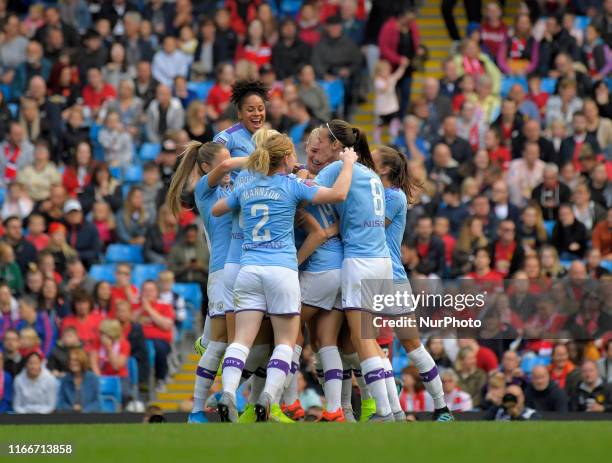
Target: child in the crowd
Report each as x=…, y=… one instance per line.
x=467, y=93
x=499, y=154
x=57, y=362
x=116, y=141
x=28, y=342
x=442, y=230
x=187, y=40
x=36, y=231
x=123, y=289
x=17, y=202
x=60, y=251
x=9, y=270
x=386, y=104
x=539, y=97
x=151, y=186
x=104, y=220
x=168, y=296
x=45, y=328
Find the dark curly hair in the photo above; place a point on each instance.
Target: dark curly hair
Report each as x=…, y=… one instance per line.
x=244, y=88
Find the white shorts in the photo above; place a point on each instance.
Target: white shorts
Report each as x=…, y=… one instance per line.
x=270, y=289
x=357, y=293
x=215, y=290
x=404, y=305
x=230, y=273
x=321, y=289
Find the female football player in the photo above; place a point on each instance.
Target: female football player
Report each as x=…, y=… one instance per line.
x=208, y=166
x=392, y=167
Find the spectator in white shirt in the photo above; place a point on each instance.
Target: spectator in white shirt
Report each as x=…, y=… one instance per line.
x=525, y=174
x=35, y=388
x=456, y=399
x=170, y=62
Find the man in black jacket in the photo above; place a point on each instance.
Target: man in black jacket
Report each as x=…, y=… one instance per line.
x=460, y=148
x=543, y=394
x=592, y=394
x=571, y=146
x=136, y=48
x=82, y=235
x=290, y=53
x=25, y=252
x=556, y=40
x=551, y=193
x=532, y=132
x=429, y=248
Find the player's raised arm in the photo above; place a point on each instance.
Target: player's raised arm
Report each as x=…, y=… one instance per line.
x=339, y=191
x=316, y=235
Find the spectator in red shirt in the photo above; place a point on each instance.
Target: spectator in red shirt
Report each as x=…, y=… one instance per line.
x=483, y=274
x=308, y=25
x=485, y=358
x=96, y=92
x=123, y=289
x=157, y=320
x=83, y=320
x=219, y=95
x=241, y=14
x=111, y=354
x=77, y=175
x=493, y=31
x=499, y=154
x=506, y=255
x=412, y=395
x=255, y=48
x=442, y=231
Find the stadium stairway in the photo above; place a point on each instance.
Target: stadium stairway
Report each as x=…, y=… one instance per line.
x=180, y=386
x=435, y=37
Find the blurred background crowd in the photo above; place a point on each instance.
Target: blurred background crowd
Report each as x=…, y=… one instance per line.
x=510, y=134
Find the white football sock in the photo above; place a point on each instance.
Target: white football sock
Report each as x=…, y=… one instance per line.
x=353, y=361
x=374, y=375
x=332, y=368
x=391, y=387
x=235, y=356
x=429, y=374
x=206, y=372
x=278, y=367
x=290, y=394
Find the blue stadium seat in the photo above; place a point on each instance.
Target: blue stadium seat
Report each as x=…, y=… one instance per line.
x=149, y=151
x=549, y=225
x=335, y=93
x=548, y=85
x=151, y=352
x=2, y=195
x=14, y=109
x=130, y=253
x=115, y=172
x=290, y=7
x=98, y=150
x=201, y=89
x=110, y=393
x=132, y=174
x=566, y=263
x=581, y=22
x=191, y=292
x=607, y=264
x=103, y=272
x=508, y=82
x=532, y=360
x=6, y=91
x=144, y=272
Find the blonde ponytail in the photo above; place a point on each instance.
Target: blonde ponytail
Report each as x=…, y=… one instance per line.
x=259, y=161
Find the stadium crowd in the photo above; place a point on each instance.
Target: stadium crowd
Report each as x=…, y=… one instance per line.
x=512, y=146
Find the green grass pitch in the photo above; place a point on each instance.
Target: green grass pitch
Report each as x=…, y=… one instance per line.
x=472, y=442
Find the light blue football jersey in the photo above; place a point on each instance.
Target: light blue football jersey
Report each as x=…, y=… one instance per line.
x=396, y=207
x=237, y=139
x=329, y=255
x=268, y=205
x=362, y=214
x=217, y=229
x=235, y=247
